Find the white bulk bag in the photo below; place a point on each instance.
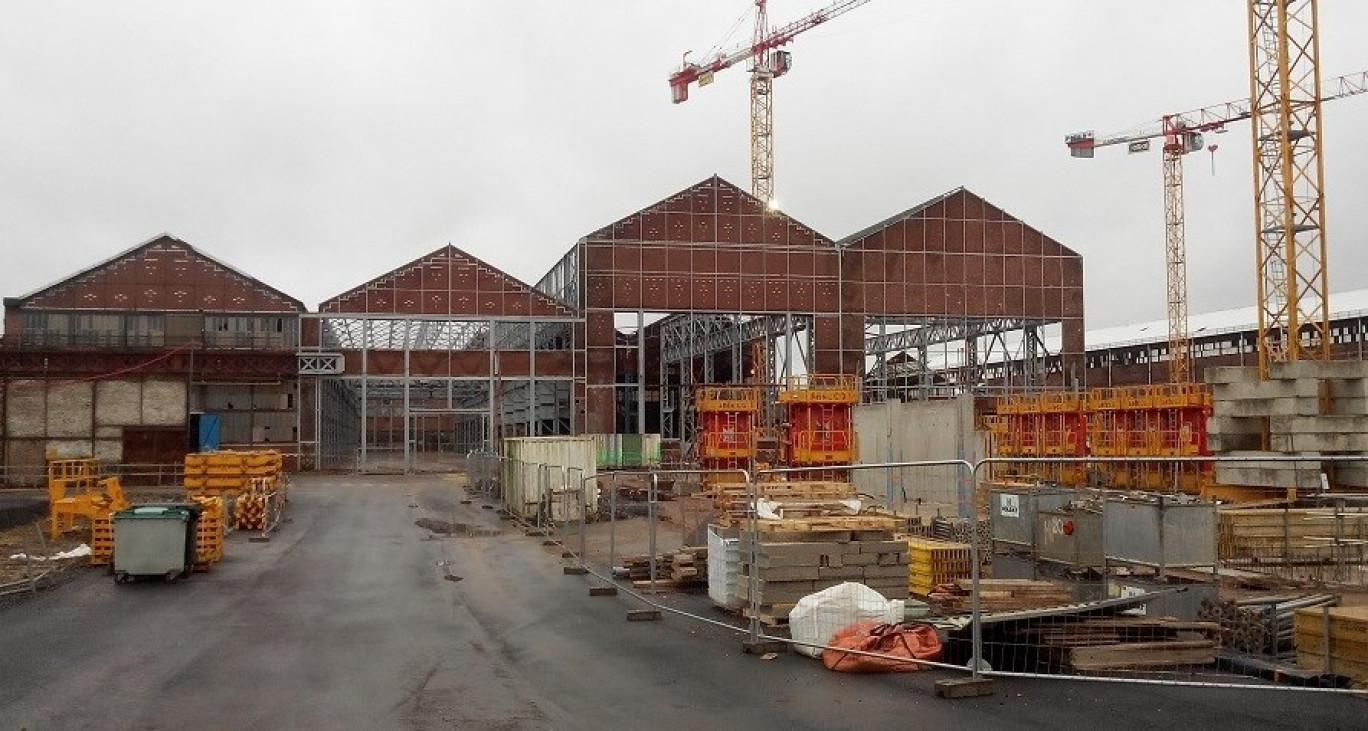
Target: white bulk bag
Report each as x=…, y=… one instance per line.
x=817, y=617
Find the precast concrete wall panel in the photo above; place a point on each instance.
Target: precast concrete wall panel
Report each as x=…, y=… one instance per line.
x=108, y=450
x=69, y=410
x=910, y=432
x=68, y=448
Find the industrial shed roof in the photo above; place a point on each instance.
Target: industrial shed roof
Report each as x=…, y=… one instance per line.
x=143, y=277
x=1239, y=319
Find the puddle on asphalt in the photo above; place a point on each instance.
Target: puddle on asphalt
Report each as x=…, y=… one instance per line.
x=459, y=530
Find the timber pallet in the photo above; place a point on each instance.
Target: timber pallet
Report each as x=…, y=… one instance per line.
x=832, y=523
x=769, y=616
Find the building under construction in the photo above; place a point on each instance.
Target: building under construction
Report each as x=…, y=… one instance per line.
x=446, y=353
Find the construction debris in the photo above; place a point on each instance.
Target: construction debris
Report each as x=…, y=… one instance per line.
x=686, y=568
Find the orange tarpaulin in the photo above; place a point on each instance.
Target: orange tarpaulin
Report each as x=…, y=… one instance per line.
x=897, y=643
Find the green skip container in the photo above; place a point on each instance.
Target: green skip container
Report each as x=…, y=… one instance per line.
x=154, y=541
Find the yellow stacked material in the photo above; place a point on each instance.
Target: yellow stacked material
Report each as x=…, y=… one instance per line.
x=102, y=540
x=77, y=495
x=221, y=472
x=209, y=531
x=932, y=563
x=266, y=463
x=1339, y=645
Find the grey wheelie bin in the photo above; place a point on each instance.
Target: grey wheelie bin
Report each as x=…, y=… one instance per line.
x=154, y=540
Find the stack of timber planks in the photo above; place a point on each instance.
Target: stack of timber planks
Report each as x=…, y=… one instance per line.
x=1001, y=595
x=1274, y=536
x=798, y=498
x=1096, y=644
x=686, y=568
x=1334, y=639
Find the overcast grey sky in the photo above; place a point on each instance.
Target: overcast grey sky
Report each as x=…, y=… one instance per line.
x=316, y=144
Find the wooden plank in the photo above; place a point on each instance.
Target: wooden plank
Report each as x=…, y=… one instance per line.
x=1136, y=655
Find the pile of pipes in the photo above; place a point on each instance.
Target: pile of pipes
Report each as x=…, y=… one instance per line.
x=1261, y=625
x=961, y=530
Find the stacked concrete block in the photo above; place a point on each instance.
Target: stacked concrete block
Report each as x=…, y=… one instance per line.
x=788, y=570
x=1310, y=409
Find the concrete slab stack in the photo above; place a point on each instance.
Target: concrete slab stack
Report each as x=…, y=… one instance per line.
x=790, y=565
x=1308, y=408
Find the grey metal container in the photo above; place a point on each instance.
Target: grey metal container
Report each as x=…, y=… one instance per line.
x=1070, y=536
x=1182, y=605
x=153, y=541
x=1012, y=512
x=1160, y=531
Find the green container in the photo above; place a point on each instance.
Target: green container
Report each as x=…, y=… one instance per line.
x=154, y=540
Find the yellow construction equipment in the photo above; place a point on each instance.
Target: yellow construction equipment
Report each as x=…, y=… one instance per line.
x=77, y=495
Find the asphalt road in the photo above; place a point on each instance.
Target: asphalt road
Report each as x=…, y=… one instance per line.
x=345, y=621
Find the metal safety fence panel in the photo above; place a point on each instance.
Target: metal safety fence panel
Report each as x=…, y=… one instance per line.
x=638, y=543
x=1014, y=578
x=1169, y=587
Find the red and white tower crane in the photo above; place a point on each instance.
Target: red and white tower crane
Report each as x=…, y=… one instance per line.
x=768, y=63
x=1181, y=134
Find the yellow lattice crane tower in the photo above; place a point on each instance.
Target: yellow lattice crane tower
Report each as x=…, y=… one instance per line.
x=1289, y=182
x=767, y=64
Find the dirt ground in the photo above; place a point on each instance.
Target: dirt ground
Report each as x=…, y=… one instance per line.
x=32, y=539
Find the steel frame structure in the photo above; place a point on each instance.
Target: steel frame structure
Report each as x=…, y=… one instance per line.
x=689, y=340
x=900, y=362
x=410, y=370
x=748, y=292
x=445, y=354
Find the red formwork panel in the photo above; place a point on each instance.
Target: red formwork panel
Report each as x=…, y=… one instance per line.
x=819, y=434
